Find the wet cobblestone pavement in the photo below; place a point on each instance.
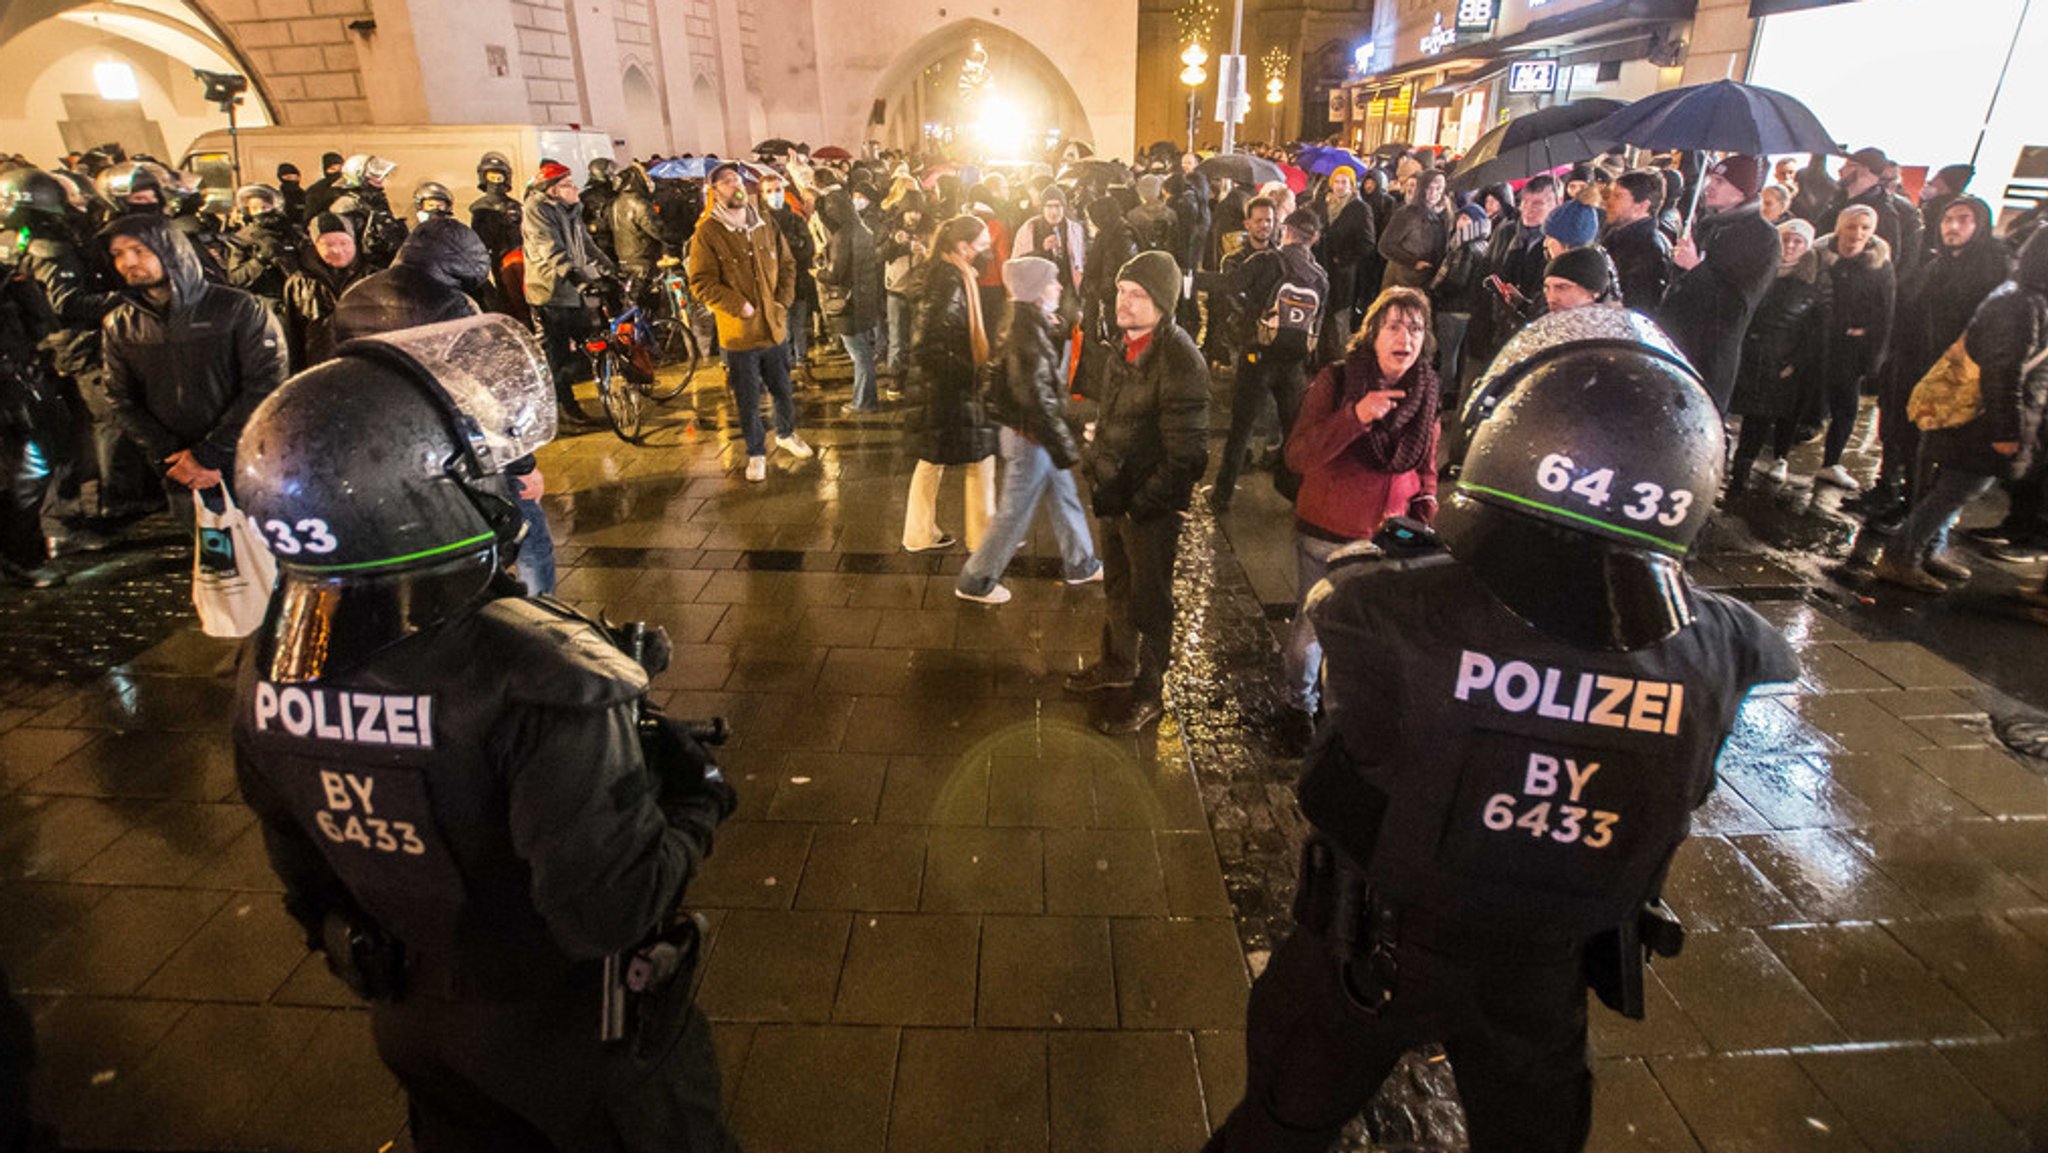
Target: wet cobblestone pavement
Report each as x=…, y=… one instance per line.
x=950, y=916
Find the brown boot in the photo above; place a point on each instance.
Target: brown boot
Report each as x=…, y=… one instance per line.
x=1891, y=571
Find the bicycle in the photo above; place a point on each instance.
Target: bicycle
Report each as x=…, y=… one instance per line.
x=674, y=339
x=622, y=365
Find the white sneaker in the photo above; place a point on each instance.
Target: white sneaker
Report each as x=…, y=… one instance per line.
x=1776, y=471
x=1838, y=477
x=794, y=445
x=757, y=468
x=1092, y=578
x=994, y=596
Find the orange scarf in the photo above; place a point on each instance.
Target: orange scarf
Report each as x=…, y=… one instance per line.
x=976, y=332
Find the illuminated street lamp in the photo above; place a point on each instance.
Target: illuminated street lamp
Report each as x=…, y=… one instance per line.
x=1275, y=61
x=1194, y=76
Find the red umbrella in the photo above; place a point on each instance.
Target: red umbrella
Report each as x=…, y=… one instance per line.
x=932, y=174
x=1297, y=180
x=832, y=152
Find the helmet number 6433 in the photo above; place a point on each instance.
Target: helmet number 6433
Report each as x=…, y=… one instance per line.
x=1557, y=473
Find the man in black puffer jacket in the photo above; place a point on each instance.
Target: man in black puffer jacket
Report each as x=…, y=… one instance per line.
x=439, y=270
x=1150, y=446
x=186, y=361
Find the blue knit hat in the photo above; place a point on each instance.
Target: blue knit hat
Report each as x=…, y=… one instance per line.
x=1573, y=224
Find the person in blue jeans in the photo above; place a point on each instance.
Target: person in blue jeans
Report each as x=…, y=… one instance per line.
x=1039, y=452
x=742, y=269
x=850, y=284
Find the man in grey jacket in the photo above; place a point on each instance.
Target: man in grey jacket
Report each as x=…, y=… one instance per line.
x=561, y=258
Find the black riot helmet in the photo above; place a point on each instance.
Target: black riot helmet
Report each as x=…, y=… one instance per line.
x=1595, y=460
x=377, y=480
x=601, y=171
x=30, y=194
x=432, y=197
x=493, y=173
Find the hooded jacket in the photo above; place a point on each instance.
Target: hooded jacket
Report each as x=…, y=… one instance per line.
x=437, y=269
x=187, y=374
x=730, y=269
x=1938, y=299
x=851, y=271
x=2009, y=329
x=1152, y=430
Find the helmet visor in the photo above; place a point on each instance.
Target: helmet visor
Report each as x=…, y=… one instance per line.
x=1580, y=589
x=323, y=626
x=492, y=370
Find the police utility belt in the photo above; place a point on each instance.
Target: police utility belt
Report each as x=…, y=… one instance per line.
x=1337, y=902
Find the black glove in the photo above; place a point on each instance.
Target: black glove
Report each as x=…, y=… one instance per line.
x=683, y=768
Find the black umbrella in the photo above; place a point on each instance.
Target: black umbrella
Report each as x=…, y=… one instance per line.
x=1536, y=142
x=1725, y=116
x=1242, y=169
x=775, y=147
x=1092, y=170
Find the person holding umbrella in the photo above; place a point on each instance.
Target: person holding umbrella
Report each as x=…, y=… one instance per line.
x=1727, y=263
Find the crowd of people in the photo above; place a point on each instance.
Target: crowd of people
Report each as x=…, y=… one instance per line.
x=983, y=302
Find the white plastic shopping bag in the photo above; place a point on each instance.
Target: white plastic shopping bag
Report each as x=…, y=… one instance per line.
x=232, y=571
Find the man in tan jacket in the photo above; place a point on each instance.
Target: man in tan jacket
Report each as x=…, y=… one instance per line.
x=741, y=267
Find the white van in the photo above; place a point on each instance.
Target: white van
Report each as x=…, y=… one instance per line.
x=444, y=152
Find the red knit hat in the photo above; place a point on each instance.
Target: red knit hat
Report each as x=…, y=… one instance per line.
x=1741, y=171
x=552, y=172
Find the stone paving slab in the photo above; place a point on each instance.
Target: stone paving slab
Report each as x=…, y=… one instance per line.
x=949, y=915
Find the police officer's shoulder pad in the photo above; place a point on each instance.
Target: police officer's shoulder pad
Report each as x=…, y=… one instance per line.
x=551, y=659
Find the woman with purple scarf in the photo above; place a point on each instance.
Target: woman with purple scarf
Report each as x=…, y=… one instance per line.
x=1365, y=448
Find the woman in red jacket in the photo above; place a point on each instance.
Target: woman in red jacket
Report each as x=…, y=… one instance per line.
x=1365, y=448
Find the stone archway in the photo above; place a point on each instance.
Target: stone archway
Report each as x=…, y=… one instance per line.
x=646, y=131
x=78, y=73
x=1025, y=92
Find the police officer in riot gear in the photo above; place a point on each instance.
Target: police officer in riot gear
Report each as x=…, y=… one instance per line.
x=451, y=777
x=430, y=199
x=1515, y=737
x=496, y=216
x=599, y=190
x=366, y=204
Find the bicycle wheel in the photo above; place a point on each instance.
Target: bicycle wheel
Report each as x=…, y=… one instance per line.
x=621, y=399
x=675, y=346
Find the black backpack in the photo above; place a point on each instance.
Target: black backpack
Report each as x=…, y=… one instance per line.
x=1290, y=323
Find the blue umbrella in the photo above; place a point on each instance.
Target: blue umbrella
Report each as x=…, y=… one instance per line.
x=1724, y=116
x=678, y=168
x=1321, y=160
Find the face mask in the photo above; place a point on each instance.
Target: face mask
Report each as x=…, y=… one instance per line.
x=983, y=259
x=860, y=204
x=775, y=199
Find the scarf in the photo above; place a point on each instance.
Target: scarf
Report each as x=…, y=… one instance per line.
x=1399, y=441
x=742, y=220
x=976, y=332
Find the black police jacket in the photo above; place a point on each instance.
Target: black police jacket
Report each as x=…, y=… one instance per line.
x=77, y=295
x=188, y=374
x=1484, y=773
x=477, y=789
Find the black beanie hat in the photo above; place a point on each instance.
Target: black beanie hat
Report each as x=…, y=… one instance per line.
x=1586, y=267
x=1158, y=275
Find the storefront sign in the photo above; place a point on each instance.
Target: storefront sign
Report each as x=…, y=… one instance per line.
x=1439, y=38
x=1360, y=97
x=1401, y=104
x=1477, y=15
x=1340, y=103
x=1533, y=76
